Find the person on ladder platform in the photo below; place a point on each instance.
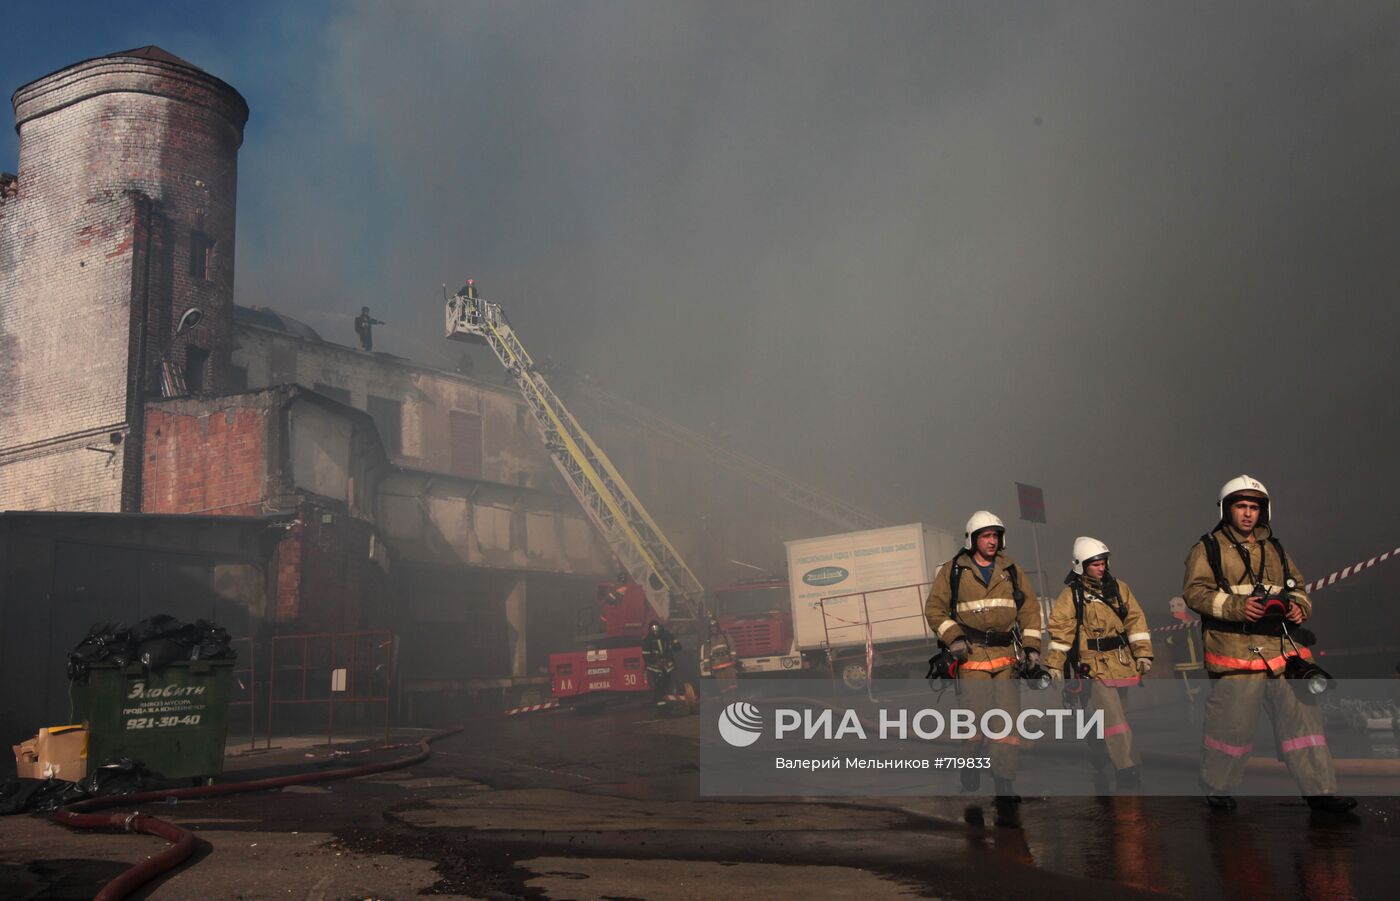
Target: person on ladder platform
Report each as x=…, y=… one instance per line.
x=984, y=611
x=1099, y=640
x=1251, y=600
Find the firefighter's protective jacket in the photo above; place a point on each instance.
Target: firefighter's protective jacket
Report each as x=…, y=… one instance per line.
x=1102, y=626
x=717, y=650
x=984, y=608
x=657, y=651
x=1228, y=635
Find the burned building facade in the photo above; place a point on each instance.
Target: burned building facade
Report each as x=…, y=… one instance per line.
x=407, y=497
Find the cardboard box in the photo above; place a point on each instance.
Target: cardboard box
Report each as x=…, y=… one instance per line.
x=27, y=759
x=57, y=752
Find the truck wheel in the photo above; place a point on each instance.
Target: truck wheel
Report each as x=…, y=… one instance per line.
x=852, y=673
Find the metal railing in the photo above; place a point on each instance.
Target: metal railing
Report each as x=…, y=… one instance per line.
x=245, y=687
x=866, y=624
x=331, y=669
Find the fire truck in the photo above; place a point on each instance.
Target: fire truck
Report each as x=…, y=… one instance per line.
x=755, y=615
x=658, y=585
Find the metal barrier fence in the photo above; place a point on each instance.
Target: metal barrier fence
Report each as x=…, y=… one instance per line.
x=864, y=630
x=245, y=686
x=330, y=669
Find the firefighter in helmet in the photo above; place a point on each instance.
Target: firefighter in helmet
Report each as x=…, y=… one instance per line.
x=983, y=609
x=1100, y=642
x=658, y=653
x=1252, y=602
x=718, y=653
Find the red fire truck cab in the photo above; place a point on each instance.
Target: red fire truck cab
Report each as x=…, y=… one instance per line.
x=757, y=616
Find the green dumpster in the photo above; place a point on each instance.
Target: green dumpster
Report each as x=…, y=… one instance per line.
x=173, y=720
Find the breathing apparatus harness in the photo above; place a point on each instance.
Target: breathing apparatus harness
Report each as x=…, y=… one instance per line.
x=1274, y=622
x=945, y=664
x=1075, y=668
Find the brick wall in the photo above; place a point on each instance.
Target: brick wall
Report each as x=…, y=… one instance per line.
x=211, y=461
x=342, y=589
x=219, y=456
x=326, y=580
x=78, y=478
x=289, y=576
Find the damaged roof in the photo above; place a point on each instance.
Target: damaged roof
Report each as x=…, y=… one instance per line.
x=269, y=318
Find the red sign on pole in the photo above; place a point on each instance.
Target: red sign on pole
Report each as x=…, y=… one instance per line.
x=1032, y=503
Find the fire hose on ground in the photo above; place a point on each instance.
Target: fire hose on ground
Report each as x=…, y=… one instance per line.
x=79, y=815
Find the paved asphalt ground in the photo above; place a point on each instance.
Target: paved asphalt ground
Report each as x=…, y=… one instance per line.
x=605, y=806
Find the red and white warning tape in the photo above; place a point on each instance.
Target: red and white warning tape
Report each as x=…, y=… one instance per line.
x=547, y=705
x=1324, y=582
x=1351, y=570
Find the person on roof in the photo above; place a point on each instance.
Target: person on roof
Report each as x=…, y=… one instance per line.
x=364, y=327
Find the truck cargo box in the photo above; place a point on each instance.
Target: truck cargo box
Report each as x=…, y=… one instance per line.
x=842, y=584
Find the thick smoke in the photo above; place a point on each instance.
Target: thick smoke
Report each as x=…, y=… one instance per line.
x=912, y=252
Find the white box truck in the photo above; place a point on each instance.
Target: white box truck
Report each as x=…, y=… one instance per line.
x=872, y=583
x=839, y=588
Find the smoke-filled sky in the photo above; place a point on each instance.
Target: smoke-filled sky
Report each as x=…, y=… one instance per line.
x=910, y=252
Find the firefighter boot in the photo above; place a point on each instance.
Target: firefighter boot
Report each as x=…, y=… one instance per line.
x=1218, y=799
x=1129, y=780
x=1005, y=791
x=1098, y=759
x=971, y=780
x=1331, y=803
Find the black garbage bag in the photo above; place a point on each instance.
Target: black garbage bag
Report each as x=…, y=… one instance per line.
x=105, y=643
x=212, y=642
x=120, y=777
x=24, y=795
x=123, y=777
x=17, y=794
x=155, y=642
x=155, y=653
x=158, y=626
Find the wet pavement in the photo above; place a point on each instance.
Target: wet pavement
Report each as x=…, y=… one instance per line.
x=563, y=805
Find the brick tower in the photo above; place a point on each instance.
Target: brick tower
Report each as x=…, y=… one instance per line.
x=121, y=220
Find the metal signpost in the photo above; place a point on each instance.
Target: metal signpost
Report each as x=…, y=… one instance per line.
x=1032, y=501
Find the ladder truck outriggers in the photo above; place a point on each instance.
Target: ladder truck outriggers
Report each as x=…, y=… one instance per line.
x=660, y=587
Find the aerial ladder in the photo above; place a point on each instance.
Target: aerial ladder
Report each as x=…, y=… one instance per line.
x=831, y=508
x=633, y=536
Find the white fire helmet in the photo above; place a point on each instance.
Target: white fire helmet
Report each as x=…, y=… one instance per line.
x=1086, y=549
x=983, y=520
x=1247, y=486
